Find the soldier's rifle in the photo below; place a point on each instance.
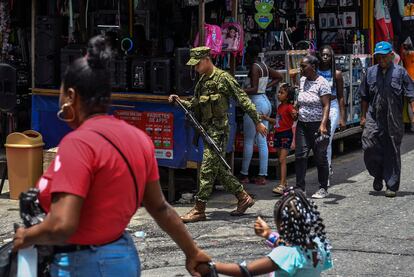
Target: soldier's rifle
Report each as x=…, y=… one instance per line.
x=206, y=138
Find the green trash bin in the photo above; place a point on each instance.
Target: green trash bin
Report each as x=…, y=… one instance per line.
x=24, y=153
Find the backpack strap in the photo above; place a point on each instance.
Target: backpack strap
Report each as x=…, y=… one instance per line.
x=127, y=163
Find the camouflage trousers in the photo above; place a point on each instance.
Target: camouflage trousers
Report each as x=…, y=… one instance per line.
x=212, y=168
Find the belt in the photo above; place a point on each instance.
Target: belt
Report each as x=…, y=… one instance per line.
x=77, y=247
x=70, y=248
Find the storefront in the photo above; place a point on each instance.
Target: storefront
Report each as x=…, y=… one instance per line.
x=151, y=41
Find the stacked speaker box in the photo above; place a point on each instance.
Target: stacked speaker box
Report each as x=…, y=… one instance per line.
x=119, y=73
x=48, y=32
x=185, y=77
x=68, y=55
x=139, y=74
x=161, y=76
x=7, y=87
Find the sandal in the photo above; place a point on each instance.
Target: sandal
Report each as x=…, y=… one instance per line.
x=260, y=181
x=279, y=189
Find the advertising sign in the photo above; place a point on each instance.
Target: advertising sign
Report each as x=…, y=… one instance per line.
x=159, y=126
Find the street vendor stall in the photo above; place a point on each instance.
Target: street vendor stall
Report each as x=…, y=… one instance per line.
x=151, y=42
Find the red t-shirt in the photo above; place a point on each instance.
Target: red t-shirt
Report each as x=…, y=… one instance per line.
x=284, y=119
x=88, y=166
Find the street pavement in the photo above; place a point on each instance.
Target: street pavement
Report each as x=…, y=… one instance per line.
x=371, y=235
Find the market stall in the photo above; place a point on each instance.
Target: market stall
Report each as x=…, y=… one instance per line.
x=152, y=39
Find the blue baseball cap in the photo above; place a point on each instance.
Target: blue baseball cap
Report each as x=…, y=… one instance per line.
x=383, y=48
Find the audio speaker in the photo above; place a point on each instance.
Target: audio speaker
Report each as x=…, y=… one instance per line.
x=7, y=87
x=119, y=73
x=161, y=75
x=139, y=74
x=68, y=55
x=185, y=77
x=48, y=32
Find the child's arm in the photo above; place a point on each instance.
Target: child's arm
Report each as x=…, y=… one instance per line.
x=268, y=118
x=261, y=266
x=294, y=113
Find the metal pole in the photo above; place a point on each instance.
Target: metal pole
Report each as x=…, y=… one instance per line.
x=201, y=21
x=32, y=46
x=234, y=9
x=131, y=18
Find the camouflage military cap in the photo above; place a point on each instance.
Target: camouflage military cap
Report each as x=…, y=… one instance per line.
x=196, y=54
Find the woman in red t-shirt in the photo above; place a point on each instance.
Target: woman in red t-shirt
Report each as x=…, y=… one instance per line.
x=97, y=181
x=286, y=115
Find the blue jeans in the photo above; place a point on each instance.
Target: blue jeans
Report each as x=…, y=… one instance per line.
x=119, y=258
x=263, y=106
x=334, y=118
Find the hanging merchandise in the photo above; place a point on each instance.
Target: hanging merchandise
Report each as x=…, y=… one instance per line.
x=383, y=25
x=4, y=29
x=263, y=17
x=232, y=34
x=213, y=39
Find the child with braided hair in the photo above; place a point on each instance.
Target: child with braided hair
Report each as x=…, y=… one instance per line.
x=300, y=247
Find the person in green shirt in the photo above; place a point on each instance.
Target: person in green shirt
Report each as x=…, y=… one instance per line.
x=210, y=105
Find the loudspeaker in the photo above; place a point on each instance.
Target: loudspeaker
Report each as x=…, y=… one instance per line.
x=7, y=87
x=119, y=73
x=68, y=55
x=185, y=77
x=48, y=31
x=161, y=75
x=139, y=74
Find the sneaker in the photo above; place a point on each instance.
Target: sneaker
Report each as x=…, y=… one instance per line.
x=377, y=184
x=389, y=193
x=321, y=193
x=260, y=181
x=244, y=179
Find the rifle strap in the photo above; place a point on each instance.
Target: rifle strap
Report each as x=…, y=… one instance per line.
x=127, y=163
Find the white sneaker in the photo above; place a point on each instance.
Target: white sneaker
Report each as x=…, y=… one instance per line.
x=321, y=193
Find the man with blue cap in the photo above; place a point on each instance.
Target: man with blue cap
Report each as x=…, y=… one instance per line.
x=382, y=90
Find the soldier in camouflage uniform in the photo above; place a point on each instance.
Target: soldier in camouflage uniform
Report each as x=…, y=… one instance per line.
x=210, y=105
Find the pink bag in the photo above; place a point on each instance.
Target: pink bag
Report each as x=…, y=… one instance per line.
x=213, y=39
x=233, y=36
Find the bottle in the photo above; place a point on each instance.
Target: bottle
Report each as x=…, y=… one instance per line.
x=27, y=262
x=355, y=46
x=362, y=44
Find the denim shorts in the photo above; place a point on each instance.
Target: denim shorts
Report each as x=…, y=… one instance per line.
x=119, y=258
x=283, y=140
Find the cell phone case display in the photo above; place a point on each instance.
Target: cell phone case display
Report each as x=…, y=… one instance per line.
x=353, y=68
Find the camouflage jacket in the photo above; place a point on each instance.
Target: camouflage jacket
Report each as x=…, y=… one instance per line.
x=212, y=97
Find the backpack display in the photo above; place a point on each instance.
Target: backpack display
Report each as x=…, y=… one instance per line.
x=213, y=39
x=233, y=35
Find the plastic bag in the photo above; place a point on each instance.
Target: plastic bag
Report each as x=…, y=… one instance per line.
x=8, y=261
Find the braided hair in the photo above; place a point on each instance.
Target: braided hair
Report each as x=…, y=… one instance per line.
x=332, y=66
x=90, y=76
x=299, y=221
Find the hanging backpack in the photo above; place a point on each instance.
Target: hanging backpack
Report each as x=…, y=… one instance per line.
x=233, y=36
x=213, y=39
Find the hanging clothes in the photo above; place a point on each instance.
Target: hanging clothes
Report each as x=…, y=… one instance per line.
x=383, y=24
